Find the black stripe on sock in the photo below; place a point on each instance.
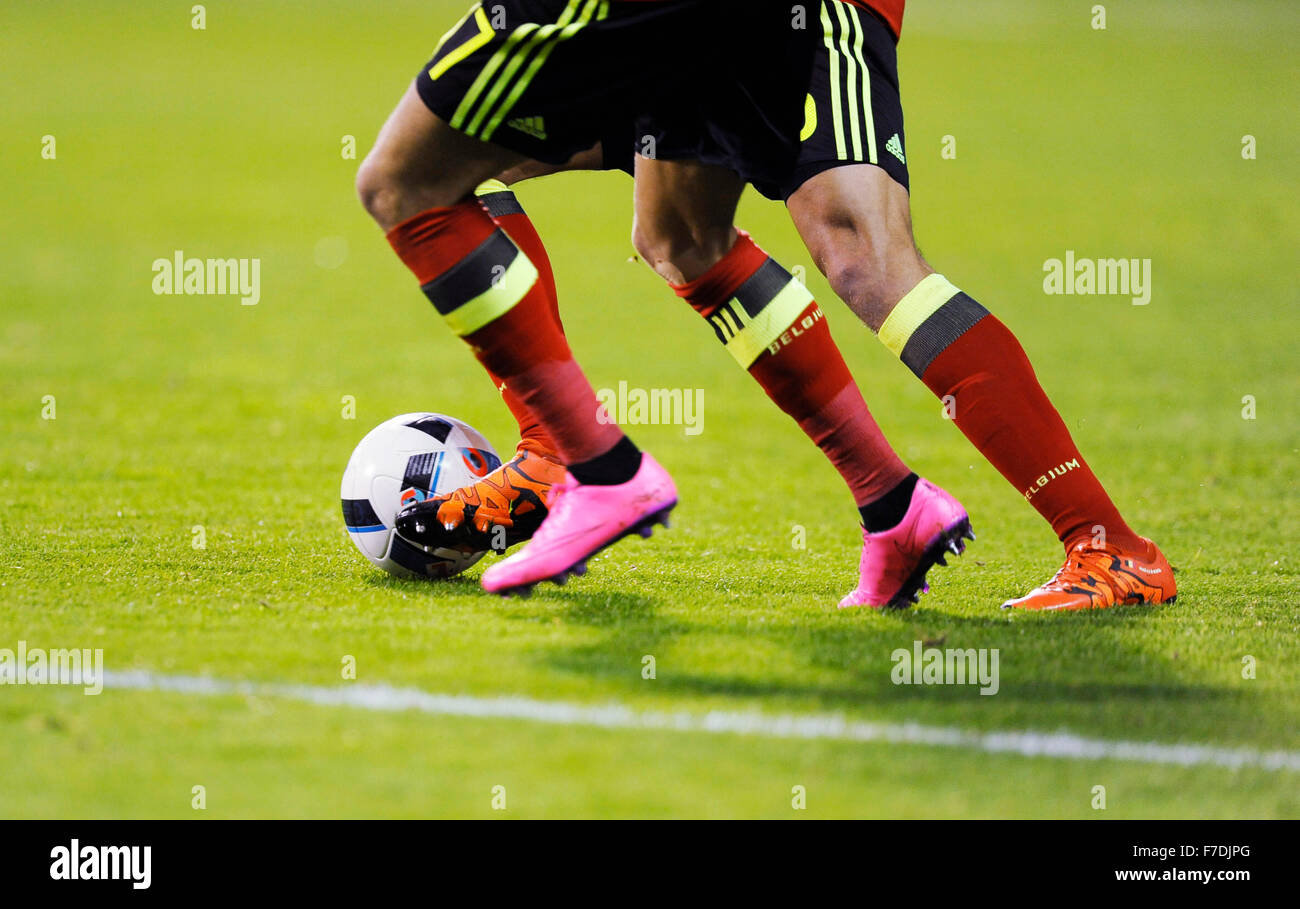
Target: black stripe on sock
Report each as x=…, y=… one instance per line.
x=472, y=275
x=760, y=288
x=945, y=325
x=501, y=203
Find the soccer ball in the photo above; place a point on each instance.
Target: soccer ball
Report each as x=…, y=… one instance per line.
x=403, y=460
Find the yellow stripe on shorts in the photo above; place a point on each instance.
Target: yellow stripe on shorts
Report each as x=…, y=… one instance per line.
x=485, y=75
x=595, y=9
x=483, y=36
x=866, y=90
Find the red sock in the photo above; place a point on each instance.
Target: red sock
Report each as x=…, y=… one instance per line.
x=509, y=215
x=774, y=329
x=488, y=291
x=975, y=364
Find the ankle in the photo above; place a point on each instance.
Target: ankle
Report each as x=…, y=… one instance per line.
x=889, y=510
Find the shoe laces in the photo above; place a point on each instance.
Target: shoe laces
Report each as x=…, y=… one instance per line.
x=1082, y=562
x=492, y=505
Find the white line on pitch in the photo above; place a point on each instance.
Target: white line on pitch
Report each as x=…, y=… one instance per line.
x=831, y=726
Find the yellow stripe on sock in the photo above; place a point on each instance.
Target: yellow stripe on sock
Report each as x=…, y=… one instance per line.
x=497, y=300
x=918, y=305
x=487, y=187
x=757, y=333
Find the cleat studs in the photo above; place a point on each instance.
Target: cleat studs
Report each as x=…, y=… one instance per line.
x=579, y=570
x=954, y=547
x=940, y=560
x=969, y=534
x=645, y=530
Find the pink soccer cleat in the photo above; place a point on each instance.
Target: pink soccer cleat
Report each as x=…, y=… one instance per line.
x=894, y=561
x=581, y=522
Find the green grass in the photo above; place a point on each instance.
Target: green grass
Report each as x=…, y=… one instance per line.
x=178, y=411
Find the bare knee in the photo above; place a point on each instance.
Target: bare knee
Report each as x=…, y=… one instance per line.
x=680, y=252
x=856, y=222
x=869, y=276
x=380, y=189
x=391, y=192
x=869, y=282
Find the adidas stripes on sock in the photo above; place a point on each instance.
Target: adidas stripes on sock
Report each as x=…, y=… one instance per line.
x=773, y=327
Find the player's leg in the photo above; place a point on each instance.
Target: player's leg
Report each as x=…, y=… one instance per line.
x=508, y=505
x=851, y=207
x=418, y=185
x=544, y=81
x=776, y=331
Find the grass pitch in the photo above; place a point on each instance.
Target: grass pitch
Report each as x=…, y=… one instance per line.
x=180, y=419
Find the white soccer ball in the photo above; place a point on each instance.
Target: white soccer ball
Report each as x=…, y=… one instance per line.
x=403, y=460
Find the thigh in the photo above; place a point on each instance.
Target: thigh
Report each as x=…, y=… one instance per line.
x=861, y=199
x=685, y=195
x=856, y=221
x=684, y=212
x=426, y=162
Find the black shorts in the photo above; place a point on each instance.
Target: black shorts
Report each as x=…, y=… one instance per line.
x=840, y=74
x=853, y=112
x=550, y=78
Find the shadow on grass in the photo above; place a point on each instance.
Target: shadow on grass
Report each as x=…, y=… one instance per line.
x=771, y=641
x=841, y=661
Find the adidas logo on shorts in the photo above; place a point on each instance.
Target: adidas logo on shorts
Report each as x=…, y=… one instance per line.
x=533, y=126
x=895, y=147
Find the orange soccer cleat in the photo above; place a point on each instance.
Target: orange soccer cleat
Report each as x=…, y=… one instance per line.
x=1097, y=577
x=504, y=508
